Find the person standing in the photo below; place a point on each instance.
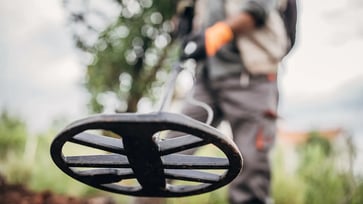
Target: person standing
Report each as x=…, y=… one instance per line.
x=238, y=45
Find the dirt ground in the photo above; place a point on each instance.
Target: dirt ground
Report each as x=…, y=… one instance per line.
x=18, y=194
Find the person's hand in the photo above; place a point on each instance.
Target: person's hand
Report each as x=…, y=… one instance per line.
x=206, y=44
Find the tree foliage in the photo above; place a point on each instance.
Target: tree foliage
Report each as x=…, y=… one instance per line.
x=127, y=52
x=12, y=134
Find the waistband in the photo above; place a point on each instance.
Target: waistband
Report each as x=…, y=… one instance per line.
x=271, y=77
x=268, y=77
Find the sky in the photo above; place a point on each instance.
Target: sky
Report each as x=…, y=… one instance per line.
x=329, y=44
x=41, y=73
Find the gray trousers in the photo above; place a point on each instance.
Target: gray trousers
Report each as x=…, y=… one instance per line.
x=250, y=109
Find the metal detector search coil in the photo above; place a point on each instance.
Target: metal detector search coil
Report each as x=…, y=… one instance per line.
x=136, y=155
x=137, y=152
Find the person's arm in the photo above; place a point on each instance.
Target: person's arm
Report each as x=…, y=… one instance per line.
x=252, y=16
x=241, y=23
x=183, y=18
x=224, y=31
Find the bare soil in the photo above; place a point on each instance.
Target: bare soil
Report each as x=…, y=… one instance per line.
x=19, y=194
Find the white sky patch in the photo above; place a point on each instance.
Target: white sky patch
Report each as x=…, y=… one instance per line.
x=328, y=50
x=40, y=72
x=23, y=18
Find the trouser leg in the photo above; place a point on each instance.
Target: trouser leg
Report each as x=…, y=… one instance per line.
x=253, y=184
x=247, y=109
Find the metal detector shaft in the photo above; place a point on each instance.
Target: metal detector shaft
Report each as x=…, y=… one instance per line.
x=169, y=90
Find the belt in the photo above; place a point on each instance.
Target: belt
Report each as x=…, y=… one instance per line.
x=269, y=77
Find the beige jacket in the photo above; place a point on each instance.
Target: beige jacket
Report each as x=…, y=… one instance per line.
x=261, y=50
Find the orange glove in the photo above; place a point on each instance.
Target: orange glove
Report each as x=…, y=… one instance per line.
x=207, y=44
x=216, y=36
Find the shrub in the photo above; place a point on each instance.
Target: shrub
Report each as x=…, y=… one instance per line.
x=12, y=135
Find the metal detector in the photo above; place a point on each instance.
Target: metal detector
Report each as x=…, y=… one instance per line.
x=135, y=161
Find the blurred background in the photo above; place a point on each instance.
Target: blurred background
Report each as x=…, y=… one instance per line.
x=64, y=60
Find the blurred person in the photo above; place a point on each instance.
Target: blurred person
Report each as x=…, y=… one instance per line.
x=238, y=45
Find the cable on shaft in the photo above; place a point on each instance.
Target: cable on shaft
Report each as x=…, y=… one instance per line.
x=166, y=100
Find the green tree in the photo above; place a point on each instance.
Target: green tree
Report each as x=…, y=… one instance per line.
x=129, y=52
x=13, y=134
